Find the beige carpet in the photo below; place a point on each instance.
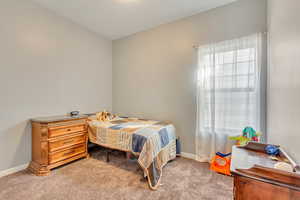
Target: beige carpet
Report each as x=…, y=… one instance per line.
x=93, y=178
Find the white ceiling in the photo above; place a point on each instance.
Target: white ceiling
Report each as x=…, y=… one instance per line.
x=118, y=18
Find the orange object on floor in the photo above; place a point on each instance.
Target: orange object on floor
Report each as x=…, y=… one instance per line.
x=221, y=165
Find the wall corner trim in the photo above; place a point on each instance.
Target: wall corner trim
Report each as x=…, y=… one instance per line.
x=13, y=170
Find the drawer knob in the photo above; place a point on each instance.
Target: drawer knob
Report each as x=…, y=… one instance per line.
x=68, y=129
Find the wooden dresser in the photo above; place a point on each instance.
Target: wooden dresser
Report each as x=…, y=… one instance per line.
x=57, y=141
x=255, y=177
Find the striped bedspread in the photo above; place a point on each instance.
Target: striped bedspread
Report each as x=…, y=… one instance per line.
x=153, y=141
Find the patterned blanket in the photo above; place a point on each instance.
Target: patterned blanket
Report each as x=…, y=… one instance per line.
x=153, y=141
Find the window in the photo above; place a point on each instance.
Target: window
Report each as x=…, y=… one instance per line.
x=228, y=88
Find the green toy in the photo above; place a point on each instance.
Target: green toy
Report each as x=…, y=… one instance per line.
x=249, y=134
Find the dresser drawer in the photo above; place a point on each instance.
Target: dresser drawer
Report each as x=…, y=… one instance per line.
x=62, y=143
x=64, y=154
x=60, y=131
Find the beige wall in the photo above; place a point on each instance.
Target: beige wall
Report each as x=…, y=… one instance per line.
x=48, y=66
x=155, y=71
x=284, y=72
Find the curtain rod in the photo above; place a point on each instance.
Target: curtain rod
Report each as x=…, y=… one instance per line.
x=197, y=46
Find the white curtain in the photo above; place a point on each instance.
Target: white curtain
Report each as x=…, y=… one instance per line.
x=228, y=97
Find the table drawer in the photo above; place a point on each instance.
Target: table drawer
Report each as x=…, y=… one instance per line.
x=60, y=131
x=66, y=142
x=68, y=153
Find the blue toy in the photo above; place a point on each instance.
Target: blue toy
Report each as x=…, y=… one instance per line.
x=272, y=150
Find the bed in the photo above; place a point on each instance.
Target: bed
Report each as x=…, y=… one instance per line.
x=154, y=142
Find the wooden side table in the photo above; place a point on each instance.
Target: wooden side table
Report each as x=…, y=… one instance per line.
x=256, y=178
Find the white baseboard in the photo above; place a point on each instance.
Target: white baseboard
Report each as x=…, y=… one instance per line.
x=13, y=170
x=188, y=155
x=22, y=167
